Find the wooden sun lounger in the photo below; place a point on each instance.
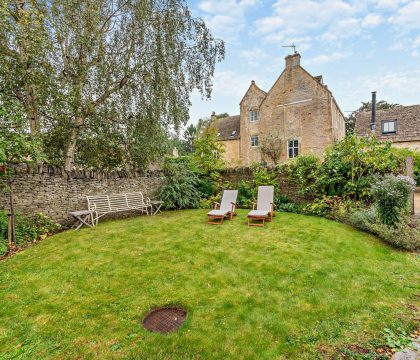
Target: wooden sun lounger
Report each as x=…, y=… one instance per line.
x=265, y=207
x=226, y=209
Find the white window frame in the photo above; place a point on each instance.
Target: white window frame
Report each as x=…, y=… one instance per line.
x=254, y=115
x=385, y=127
x=253, y=137
x=294, y=145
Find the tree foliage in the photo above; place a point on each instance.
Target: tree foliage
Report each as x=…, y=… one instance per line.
x=105, y=79
x=271, y=146
x=347, y=170
x=366, y=106
x=17, y=146
x=208, y=151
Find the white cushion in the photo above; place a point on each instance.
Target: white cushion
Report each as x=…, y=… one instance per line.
x=218, y=212
x=258, y=213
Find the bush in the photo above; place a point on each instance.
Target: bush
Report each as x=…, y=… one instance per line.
x=290, y=207
x=404, y=153
x=246, y=193
x=181, y=188
x=304, y=170
x=391, y=194
x=348, y=169
x=28, y=229
x=403, y=234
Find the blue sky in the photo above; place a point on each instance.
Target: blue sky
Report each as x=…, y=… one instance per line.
x=358, y=46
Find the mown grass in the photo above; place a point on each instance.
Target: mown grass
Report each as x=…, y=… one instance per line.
x=284, y=291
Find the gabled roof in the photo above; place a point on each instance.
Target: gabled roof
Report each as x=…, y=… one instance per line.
x=408, y=123
x=229, y=128
x=318, y=79
x=253, y=84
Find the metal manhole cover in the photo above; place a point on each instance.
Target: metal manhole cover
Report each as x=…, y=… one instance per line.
x=164, y=320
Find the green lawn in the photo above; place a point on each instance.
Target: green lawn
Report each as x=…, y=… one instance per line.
x=285, y=291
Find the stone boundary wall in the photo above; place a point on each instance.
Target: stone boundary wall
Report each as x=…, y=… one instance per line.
x=54, y=192
x=287, y=187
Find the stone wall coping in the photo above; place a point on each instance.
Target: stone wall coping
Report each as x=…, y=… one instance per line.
x=45, y=169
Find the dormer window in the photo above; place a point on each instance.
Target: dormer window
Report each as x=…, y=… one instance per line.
x=389, y=126
x=253, y=115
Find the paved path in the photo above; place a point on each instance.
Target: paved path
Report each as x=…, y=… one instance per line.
x=410, y=354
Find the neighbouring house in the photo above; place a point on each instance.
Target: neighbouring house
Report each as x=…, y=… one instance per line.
x=400, y=125
x=299, y=110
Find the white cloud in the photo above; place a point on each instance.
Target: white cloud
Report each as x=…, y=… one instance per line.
x=299, y=16
x=372, y=20
x=254, y=57
x=389, y=4
x=399, y=87
x=408, y=16
x=226, y=18
x=327, y=58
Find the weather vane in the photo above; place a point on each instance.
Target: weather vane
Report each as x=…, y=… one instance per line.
x=291, y=46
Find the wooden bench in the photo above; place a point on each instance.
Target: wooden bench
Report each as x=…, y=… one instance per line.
x=101, y=205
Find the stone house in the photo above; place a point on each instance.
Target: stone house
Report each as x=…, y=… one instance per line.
x=299, y=110
x=400, y=125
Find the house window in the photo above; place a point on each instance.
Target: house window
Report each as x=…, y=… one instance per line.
x=253, y=115
x=389, y=126
x=233, y=133
x=254, y=140
x=293, y=149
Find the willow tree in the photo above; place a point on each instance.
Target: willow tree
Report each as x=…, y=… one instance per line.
x=125, y=67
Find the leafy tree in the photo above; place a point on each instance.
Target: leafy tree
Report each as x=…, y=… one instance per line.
x=208, y=152
x=17, y=146
x=189, y=137
x=366, y=106
x=23, y=52
x=271, y=146
x=113, y=72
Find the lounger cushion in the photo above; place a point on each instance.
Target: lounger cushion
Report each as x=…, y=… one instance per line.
x=258, y=213
x=218, y=213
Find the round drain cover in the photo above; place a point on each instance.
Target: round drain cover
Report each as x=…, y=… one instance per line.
x=164, y=320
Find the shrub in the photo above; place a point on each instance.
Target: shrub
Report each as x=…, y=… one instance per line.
x=246, y=193
x=28, y=229
x=404, y=153
x=361, y=219
x=348, y=169
x=303, y=170
x=402, y=234
x=391, y=194
x=290, y=207
x=248, y=189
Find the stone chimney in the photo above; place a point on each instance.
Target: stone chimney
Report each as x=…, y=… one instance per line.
x=292, y=61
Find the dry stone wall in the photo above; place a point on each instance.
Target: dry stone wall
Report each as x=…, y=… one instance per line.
x=54, y=192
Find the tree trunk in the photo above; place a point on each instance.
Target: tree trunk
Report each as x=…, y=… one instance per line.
x=32, y=110
x=11, y=215
x=71, y=150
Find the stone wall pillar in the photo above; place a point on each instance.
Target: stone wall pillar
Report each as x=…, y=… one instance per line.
x=409, y=164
